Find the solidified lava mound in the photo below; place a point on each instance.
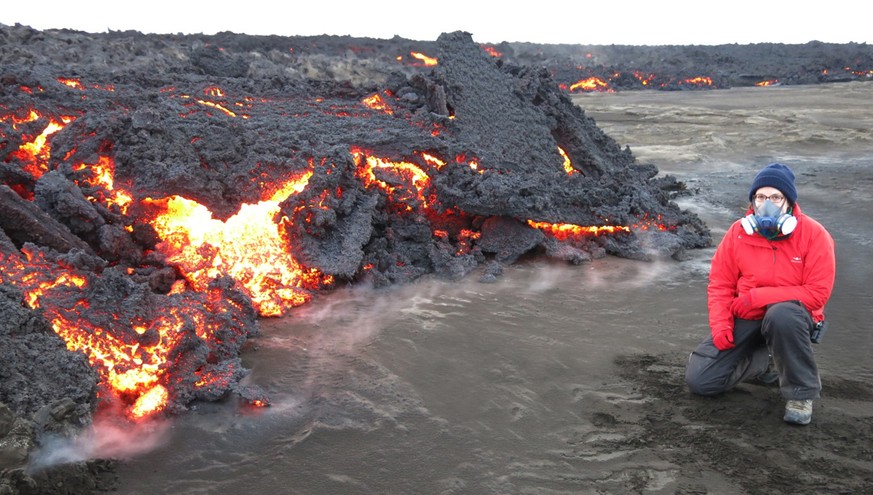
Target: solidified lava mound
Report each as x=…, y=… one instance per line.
x=161, y=193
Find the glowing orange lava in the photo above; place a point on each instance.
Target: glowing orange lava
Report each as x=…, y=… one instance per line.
x=590, y=84
x=102, y=173
x=376, y=102
x=247, y=247
x=564, y=231
x=413, y=181
x=568, y=164
x=127, y=368
x=35, y=152
x=427, y=61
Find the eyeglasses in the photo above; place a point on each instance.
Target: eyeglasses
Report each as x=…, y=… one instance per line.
x=775, y=198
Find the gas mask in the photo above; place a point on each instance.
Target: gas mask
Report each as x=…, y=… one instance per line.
x=769, y=221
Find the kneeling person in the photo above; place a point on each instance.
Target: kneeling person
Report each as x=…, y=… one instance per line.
x=770, y=278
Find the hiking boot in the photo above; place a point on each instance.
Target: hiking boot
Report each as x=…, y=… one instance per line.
x=798, y=411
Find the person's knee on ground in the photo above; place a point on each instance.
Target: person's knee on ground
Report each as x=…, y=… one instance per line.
x=697, y=386
x=712, y=372
x=698, y=372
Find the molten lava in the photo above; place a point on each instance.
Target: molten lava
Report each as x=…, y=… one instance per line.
x=33, y=151
x=133, y=350
x=247, y=247
x=590, y=84
x=424, y=59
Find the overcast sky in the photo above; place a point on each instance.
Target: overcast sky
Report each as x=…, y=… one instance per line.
x=589, y=22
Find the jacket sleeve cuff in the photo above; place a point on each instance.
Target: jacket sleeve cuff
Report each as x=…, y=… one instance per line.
x=753, y=299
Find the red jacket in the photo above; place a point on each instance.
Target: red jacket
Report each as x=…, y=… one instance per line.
x=798, y=267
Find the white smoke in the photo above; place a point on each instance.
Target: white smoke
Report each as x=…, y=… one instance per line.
x=104, y=439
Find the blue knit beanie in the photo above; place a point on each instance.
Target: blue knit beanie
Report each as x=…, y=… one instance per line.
x=775, y=175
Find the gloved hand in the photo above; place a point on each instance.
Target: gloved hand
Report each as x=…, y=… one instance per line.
x=741, y=307
x=724, y=339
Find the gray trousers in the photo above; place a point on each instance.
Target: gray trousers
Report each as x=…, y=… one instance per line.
x=782, y=334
